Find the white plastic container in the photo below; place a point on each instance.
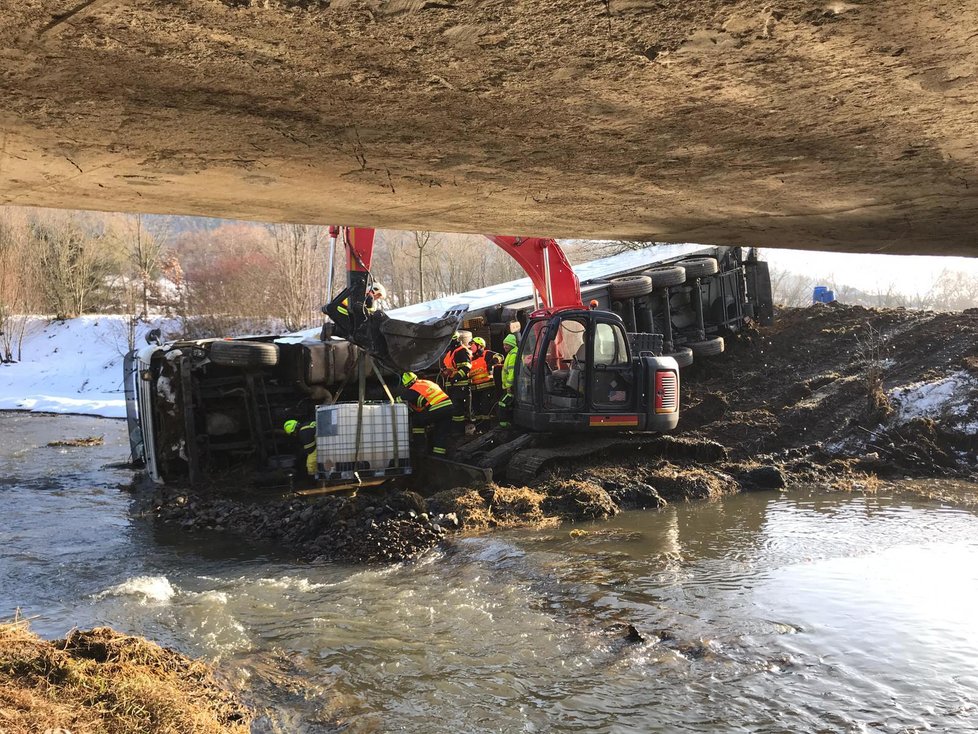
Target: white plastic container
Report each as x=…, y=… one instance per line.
x=384, y=441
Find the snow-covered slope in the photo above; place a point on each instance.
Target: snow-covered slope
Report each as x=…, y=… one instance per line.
x=72, y=366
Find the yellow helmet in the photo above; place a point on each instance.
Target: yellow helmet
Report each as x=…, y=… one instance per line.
x=408, y=379
x=290, y=427
x=480, y=341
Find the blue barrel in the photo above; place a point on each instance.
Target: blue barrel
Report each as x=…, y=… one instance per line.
x=822, y=294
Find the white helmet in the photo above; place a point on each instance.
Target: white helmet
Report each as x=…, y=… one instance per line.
x=378, y=291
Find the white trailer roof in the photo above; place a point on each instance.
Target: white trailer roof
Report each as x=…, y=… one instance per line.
x=519, y=290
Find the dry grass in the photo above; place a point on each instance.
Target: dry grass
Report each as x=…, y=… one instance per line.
x=506, y=507
x=87, y=441
x=104, y=682
x=691, y=483
x=513, y=507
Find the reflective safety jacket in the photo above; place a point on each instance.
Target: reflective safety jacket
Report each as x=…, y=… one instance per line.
x=447, y=366
x=459, y=364
x=425, y=395
x=509, y=369
x=307, y=434
x=481, y=372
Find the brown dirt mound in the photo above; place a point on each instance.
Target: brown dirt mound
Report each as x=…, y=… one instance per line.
x=106, y=682
x=820, y=375
x=579, y=500
x=692, y=483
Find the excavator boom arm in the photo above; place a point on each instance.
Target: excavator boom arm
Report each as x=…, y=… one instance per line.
x=541, y=258
x=409, y=346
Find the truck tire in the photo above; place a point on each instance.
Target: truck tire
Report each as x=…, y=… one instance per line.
x=700, y=267
x=708, y=347
x=631, y=286
x=666, y=276
x=244, y=354
x=683, y=357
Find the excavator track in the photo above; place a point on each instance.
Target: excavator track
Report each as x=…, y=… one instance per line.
x=527, y=464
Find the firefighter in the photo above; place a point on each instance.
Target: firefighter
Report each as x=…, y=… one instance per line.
x=458, y=366
x=430, y=407
x=344, y=326
x=505, y=406
x=307, y=437
x=483, y=384
x=446, y=358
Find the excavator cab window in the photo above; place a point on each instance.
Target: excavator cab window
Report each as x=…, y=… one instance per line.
x=575, y=362
x=565, y=370
x=611, y=382
x=526, y=362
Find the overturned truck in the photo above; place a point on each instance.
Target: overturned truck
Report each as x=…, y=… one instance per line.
x=213, y=409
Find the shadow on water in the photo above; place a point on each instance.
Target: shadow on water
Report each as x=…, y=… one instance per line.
x=764, y=612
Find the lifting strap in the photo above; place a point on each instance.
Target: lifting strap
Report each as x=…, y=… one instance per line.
x=362, y=375
x=390, y=397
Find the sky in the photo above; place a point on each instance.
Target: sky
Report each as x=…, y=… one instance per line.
x=910, y=274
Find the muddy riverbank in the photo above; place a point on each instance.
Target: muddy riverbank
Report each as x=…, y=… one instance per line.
x=844, y=396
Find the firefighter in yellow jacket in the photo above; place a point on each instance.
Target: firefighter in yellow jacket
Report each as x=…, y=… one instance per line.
x=430, y=408
x=505, y=406
x=307, y=435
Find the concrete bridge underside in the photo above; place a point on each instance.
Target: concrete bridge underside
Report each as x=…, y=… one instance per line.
x=801, y=123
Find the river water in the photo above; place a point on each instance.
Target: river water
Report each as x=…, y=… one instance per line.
x=762, y=613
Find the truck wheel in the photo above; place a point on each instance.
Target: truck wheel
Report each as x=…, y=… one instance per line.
x=631, y=286
x=244, y=354
x=708, y=348
x=700, y=267
x=683, y=356
x=667, y=275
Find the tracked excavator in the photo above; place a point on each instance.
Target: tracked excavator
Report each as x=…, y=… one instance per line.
x=583, y=384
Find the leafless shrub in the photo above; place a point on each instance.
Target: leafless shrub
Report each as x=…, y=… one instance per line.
x=869, y=351
x=73, y=260
x=299, y=263
x=18, y=293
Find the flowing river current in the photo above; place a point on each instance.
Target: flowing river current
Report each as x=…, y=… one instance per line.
x=765, y=612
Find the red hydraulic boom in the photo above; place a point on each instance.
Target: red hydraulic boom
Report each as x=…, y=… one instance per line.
x=410, y=346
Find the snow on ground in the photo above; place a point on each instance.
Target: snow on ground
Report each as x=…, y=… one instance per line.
x=72, y=366
x=951, y=399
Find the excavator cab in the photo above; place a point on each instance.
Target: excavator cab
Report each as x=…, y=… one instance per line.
x=576, y=371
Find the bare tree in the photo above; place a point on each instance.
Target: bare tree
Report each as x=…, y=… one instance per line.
x=143, y=250
x=299, y=272
x=954, y=290
x=421, y=241
x=18, y=295
x=791, y=289
x=73, y=261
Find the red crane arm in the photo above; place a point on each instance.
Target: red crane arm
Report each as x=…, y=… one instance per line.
x=541, y=258
x=547, y=265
